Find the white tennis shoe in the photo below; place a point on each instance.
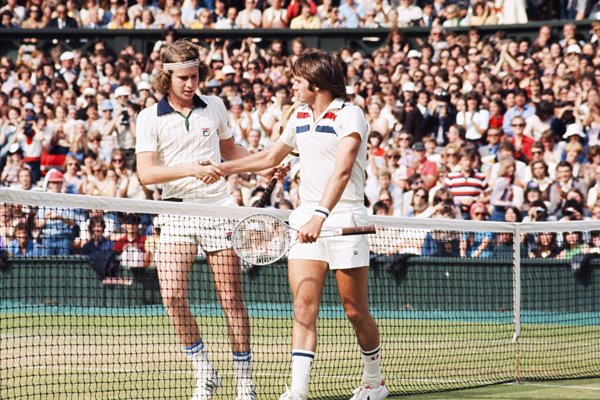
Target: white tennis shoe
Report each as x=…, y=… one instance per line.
x=206, y=385
x=246, y=392
x=366, y=392
x=291, y=395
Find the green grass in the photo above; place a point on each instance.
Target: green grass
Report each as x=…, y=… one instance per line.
x=138, y=357
x=575, y=389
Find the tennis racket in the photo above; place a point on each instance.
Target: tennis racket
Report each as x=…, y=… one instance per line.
x=262, y=239
x=273, y=181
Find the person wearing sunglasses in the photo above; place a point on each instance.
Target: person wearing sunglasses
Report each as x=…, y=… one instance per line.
x=521, y=108
x=521, y=142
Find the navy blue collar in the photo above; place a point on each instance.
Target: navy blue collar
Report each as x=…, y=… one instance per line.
x=163, y=107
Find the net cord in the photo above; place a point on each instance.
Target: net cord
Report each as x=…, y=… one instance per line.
x=195, y=209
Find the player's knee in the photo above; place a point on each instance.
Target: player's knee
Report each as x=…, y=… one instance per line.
x=356, y=316
x=231, y=300
x=173, y=299
x=305, y=309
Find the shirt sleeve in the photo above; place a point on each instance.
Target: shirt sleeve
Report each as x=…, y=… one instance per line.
x=146, y=131
x=222, y=119
x=351, y=119
x=288, y=136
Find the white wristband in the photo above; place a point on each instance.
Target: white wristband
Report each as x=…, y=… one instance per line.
x=321, y=212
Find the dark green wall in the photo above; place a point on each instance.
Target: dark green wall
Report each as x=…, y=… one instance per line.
x=397, y=284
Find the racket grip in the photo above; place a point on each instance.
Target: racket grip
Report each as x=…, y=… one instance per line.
x=267, y=193
x=358, y=230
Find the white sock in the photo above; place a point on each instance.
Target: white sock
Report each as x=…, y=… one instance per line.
x=372, y=367
x=302, y=361
x=242, y=365
x=199, y=357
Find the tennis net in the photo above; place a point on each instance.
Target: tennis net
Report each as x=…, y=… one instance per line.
x=81, y=323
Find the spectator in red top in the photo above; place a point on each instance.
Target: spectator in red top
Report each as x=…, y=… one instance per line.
x=521, y=142
x=293, y=10
x=131, y=245
x=421, y=168
x=496, y=114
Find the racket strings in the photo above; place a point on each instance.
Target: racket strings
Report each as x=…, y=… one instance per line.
x=261, y=239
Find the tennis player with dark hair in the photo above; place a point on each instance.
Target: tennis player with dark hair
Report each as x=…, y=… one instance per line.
x=330, y=134
x=179, y=140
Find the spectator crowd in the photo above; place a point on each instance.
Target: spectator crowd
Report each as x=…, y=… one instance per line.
x=462, y=125
x=294, y=14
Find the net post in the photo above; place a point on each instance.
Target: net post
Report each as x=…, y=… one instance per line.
x=517, y=297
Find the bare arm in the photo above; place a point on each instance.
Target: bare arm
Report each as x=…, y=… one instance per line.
x=151, y=173
x=232, y=151
x=258, y=161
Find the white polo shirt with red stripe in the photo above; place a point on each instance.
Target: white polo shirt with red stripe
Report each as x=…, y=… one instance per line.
x=316, y=140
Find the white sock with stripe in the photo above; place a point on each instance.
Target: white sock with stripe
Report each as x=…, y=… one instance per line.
x=199, y=357
x=242, y=365
x=302, y=361
x=372, y=367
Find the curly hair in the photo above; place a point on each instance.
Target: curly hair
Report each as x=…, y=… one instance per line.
x=179, y=51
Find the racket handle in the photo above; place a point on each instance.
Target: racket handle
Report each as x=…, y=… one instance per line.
x=356, y=230
x=267, y=193
x=271, y=185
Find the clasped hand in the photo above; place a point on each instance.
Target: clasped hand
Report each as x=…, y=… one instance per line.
x=207, y=171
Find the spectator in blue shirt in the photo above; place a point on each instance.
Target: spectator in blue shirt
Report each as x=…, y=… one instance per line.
x=477, y=244
x=521, y=109
x=99, y=249
x=23, y=245
x=56, y=223
x=351, y=14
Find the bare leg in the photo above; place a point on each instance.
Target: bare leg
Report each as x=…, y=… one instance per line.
x=174, y=263
x=307, y=278
x=352, y=287
x=228, y=285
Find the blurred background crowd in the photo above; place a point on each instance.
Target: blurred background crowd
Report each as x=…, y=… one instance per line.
x=462, y=125
x=295, y=14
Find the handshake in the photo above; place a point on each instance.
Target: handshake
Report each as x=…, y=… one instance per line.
x=207, y=171
x=210, y=172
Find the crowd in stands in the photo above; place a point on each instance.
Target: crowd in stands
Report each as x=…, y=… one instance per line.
x=462, y=126
x=294, y=14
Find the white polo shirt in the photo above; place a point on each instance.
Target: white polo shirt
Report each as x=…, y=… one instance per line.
x=162, y=130
x=316, y=141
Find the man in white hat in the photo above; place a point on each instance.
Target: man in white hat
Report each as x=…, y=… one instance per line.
x=67, y=69
x=414, y=61
x=574, y=133
x=144, y=90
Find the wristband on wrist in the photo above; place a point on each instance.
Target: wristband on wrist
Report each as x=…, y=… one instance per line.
x=321, y=212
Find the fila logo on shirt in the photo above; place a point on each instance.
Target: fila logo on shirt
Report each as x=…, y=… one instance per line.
x=205, y=131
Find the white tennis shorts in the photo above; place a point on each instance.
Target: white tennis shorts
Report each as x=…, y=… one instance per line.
x=341, y=252
x=211, y=234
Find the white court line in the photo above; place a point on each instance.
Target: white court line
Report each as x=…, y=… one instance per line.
x=555, y=386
